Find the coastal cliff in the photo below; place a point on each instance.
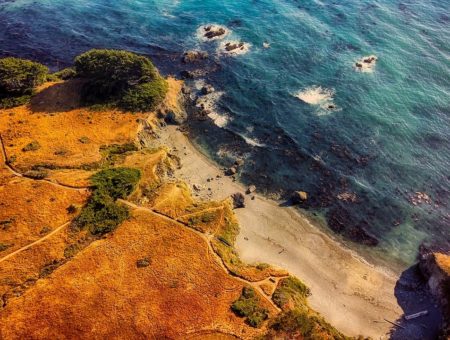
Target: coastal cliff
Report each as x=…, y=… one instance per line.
x=436, y=269
x=101, y=238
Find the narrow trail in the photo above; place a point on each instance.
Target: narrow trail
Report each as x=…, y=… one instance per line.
x=207, y=238
x=18, y=174
x=218, y=260
x=34, y=243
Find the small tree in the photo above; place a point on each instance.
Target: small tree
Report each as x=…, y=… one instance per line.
x=110, y=72
x=19, y=77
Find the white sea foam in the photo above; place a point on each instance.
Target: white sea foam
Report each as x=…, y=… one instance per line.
x=208, y=102
x=203, y=30
x=366, y=64
x=233, y=47
x=253, y=141
x=220, y=120
x=318, y=96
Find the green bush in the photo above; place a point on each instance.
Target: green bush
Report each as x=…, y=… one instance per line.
x=305, y=325
x=145, y=97
x=248, y=306
x=291, y=289
x=64, y=74
x=101, y=214
x=109, y=73
x=116, y=182
x=19, y=77
x=10, y=102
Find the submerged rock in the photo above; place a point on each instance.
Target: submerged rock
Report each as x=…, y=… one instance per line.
x=213, y=32
x=194, y=56
x=238, y=200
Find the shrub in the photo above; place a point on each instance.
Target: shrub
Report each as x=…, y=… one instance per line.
x=4, y=246
x=248, y=306
x=32, y=146
x=116, y=182
x=304, y=325
x=19, y=77
x=111, y=72
x=64, y=74
x=101, y=214
x=10, y=102
x=145, y=97
x=291, y=289
x=114, y=152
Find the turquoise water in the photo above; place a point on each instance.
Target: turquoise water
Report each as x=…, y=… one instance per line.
x=386, y=138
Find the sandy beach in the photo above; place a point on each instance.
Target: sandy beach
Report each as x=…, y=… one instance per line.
x=350, y=293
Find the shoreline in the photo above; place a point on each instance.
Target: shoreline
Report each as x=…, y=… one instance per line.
x=350, y=293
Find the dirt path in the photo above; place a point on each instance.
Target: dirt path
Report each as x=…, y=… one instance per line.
x=34, y=243
x=18, y=174
x=218, y=260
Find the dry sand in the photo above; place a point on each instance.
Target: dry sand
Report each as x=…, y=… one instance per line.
x=353, y=295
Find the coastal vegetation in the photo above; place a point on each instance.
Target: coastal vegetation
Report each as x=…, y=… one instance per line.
x=297, y=319
x=102, y=213
x=18, y=80
x=248, y=306
x=121, y=78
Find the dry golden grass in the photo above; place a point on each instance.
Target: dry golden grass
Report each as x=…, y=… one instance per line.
x=68, y=136
x=102, y=292
x=96, y=289
x=29, y=208
x=443, y=261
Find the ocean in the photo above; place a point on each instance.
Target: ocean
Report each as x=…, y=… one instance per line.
x=369, y=143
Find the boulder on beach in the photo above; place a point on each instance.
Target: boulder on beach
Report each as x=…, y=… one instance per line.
x=299, y=197
x=238, y=200
x=251, y=189
x=231, y=171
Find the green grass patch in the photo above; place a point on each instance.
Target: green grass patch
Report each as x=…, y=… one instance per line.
x=111, y=154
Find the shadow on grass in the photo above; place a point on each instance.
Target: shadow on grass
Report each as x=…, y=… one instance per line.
x=60, y=97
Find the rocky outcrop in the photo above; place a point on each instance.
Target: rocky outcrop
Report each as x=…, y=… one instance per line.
x=194, y=56
x=436, y=269
x=299, y=197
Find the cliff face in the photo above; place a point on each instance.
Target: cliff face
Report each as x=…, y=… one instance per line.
x=436, y=269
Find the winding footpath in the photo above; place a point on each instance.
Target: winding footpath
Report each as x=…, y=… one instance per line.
x=218, y=260
x=207, y=238
x=18, y=174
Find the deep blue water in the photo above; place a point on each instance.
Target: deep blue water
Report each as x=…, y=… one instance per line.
x=387, y=139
